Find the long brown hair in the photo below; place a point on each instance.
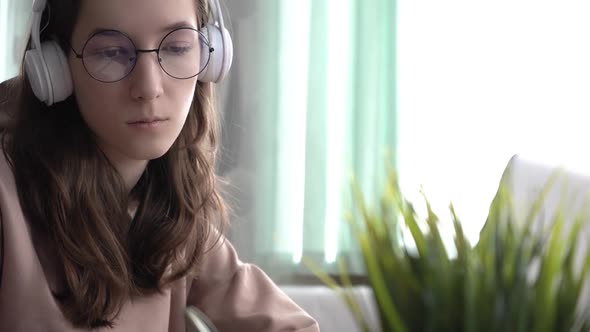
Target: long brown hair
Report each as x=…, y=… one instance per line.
x=74, y=197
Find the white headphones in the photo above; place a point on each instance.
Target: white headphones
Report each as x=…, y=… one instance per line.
x=221, y=42
x=47, y=68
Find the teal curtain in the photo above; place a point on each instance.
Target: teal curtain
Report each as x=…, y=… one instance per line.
x=327, y=113
x=14, y=19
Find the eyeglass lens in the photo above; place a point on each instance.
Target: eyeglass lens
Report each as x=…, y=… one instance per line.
x=110, y=56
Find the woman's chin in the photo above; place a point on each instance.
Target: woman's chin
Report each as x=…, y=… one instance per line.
x=153, y=154
x=149, y=151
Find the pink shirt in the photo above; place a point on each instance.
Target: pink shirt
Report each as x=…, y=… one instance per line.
x=234, y=295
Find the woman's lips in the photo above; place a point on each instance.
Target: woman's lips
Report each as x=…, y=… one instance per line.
x=148, y=123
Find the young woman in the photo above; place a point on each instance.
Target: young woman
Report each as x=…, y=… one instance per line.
x=111, y=216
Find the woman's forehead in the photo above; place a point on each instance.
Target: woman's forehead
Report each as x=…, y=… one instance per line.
x=136, y=18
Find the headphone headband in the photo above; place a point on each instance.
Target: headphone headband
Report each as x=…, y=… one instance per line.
x=38, y=7
x=218, y=16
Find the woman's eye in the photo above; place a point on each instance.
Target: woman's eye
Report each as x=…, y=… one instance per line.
x=111, y=53
x=177, y=49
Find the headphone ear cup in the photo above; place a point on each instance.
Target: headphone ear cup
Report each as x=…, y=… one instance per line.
x=60, y=76
x=49, y=73
x=37, y=73
x=222, y=56
x=228, y=54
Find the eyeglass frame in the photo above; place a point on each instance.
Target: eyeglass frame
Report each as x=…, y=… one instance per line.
x=139, y=50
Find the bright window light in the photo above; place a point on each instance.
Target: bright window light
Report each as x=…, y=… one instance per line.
x=479, y=81
x=294, y=52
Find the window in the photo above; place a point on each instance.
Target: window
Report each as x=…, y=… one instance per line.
x=14, y=17
x=479, y=81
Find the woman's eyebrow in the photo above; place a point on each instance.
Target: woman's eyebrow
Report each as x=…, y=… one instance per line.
x=180, y=24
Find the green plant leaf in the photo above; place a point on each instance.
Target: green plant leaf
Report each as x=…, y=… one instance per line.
x=518, y=277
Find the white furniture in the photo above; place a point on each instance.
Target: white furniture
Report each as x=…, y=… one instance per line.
x=328, y=309
x=526, y=178
x=569, y=193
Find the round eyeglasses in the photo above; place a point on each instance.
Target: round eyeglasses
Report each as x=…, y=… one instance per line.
x=110, y=55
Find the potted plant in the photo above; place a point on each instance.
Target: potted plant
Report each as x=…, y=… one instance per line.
x=514, y=278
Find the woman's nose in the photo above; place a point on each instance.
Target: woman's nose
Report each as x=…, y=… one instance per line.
x=147, y=77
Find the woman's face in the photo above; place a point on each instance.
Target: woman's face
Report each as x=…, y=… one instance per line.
x=140, y=116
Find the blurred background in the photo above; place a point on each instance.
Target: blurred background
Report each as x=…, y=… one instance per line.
x=325, y=90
